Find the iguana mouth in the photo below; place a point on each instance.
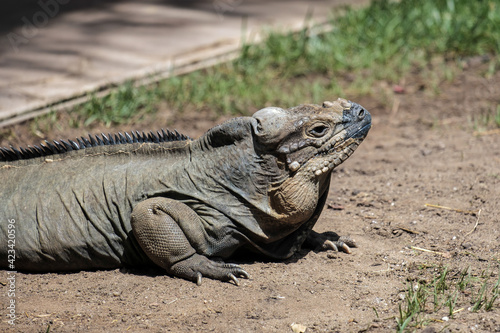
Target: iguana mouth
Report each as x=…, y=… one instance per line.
x=339, y=151
x=340, y=141
x=334, y=153
x=333, y=157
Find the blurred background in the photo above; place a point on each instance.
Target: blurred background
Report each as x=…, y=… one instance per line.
x=125, y=62
x=60, y=50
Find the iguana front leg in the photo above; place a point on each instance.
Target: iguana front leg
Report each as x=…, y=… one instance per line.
x=155, y=224
x=329, y=241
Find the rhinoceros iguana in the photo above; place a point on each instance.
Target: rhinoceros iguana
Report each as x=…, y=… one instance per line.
x=252, y=183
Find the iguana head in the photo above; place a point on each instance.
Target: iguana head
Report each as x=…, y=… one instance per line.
x=313, y=138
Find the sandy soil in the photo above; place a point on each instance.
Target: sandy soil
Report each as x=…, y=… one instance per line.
x=422, y=151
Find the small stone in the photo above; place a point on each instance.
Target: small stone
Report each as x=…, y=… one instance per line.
x=298, y=328
x=426, y=152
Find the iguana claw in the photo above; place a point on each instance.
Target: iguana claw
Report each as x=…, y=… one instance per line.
x=331, y=241
x=197, y=266
x=234, y=279
x=230, y=277
x=329, y=245
x=342, y=244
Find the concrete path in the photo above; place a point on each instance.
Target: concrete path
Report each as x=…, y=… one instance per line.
x=54, y=52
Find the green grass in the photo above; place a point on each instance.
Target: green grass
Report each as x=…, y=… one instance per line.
x=413, y=308
x=382, y=41
x=485, y=119
x=445, y=295
x=122, y=104
x=487, y=295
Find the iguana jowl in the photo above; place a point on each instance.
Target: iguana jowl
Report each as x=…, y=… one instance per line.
x=257, y=183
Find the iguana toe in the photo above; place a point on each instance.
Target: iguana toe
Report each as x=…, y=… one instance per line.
x=198, y=266
x=234, y=279
x=330, y=241
x=344, y=244
x=348, y=241
x=335, y=246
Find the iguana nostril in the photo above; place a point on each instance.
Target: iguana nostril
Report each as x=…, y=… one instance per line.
x=361, y=114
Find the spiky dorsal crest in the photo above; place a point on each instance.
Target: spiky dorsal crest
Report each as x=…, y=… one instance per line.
x=62, y=146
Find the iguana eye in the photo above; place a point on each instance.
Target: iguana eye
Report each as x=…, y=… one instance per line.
x=318, y=130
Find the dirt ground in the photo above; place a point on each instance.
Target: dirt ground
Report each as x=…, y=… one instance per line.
x=422, y=150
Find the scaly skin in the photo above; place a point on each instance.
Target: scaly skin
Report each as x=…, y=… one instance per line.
x=257, y=183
